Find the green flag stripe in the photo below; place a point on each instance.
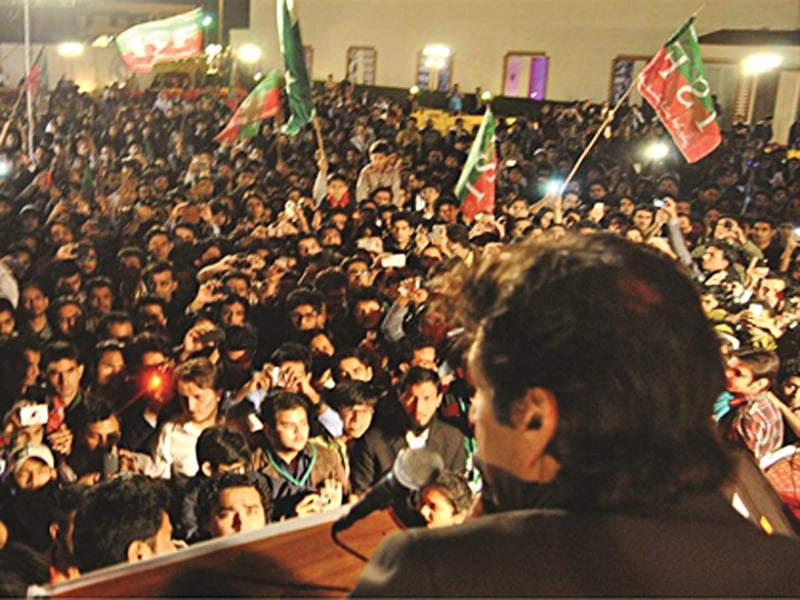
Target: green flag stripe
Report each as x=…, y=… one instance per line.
x=684, y=42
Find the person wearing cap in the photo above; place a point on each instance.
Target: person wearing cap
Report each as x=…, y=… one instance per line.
x=378, y=173
x=28, y=500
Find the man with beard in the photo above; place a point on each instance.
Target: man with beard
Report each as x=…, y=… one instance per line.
x=595, y=372
x=415, y=426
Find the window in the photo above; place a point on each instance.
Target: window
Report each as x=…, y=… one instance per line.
x=435, y=68
x=525, y=75
x=361, y=65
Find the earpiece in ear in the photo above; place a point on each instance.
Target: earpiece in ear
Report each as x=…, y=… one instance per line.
x=536, y=422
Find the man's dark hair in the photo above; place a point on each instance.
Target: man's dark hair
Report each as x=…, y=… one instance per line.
x=6, y=306
x=410, y=344
x=210, y=490
x=99, y=281
x=352, y=393
x=147, y=341
x=417, y=375
x=360, y=353
x=158, y=267
x=330, y=278
x=279, y=401
x=303, y=295
x=117, y=513
x=59, y=350
x=292, y=351
x=458, y=234
x=616, y=333
x=222, y=445
x=764, y=363
x=455, y=488
x=96, y=408
x=115, y=316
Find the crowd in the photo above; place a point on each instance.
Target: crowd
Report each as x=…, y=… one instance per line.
x=197, y=338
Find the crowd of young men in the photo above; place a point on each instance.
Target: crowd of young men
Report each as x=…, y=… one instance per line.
x=228, y=334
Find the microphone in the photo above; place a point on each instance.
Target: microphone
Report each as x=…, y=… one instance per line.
x=413, y=469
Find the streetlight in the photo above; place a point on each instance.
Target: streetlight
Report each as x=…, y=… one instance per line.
x=249, y=53
x=70, y=49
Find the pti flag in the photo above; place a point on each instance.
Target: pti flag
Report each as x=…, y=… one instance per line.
x=298, y=89
x=263, y=102
x=674, y=83
x=38, y=83
x=143, y=46
x=475, y=187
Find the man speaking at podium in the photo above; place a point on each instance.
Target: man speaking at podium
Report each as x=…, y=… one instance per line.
x=595, y=374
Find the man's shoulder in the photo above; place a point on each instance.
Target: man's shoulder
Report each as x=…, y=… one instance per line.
x=445, y=430
x=544, y=552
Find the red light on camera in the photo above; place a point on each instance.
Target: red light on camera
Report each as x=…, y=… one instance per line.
x=155, y=382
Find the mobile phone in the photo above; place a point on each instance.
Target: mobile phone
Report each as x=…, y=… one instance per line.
x=599, y=206
x=213, y=336
x=439, y=230
x=35, y=414
x=254, y=423
x=397, y=261
x=756, y=309
x=110, y=465
x=659, y=203
x=362, y=243
x=797, y=231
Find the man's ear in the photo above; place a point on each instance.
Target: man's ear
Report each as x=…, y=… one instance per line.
x=402, y=367
x=535, y=417
x=207, y=469
x=139, y=550
x=760, y=385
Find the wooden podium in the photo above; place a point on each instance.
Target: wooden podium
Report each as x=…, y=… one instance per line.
x=296, y=557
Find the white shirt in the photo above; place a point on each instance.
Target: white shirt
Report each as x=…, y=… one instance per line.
x=175, y=449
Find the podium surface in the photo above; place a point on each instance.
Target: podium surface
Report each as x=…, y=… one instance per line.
x=296, y=557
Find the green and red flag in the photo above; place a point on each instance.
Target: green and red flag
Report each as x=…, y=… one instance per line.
x=476, y=186
x=262, y=103
x=298, y=88
x=674, y=83
x=165, y=40
x=38, y=83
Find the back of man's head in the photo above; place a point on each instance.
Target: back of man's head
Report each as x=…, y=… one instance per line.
x=616, y=333
x=116, y=514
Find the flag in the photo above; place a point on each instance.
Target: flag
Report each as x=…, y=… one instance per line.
x=475, y=187
x=145, y=45
x=674, y=83
x=38, y=83
x=263, y=102
x=298, y=88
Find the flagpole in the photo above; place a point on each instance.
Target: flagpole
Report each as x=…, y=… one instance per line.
x=29, y=99
x=7, y=125
x=606, y=122
x=318, y=131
